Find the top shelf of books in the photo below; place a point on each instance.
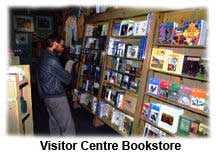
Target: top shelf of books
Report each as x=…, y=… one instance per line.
x=180, y=46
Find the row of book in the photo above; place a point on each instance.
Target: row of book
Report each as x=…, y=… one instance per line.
x=167, y=61
x=122, y=121
x=193, y=32
x=93, y=58
x=126, y=66
x=125, y=81
x=171, y=119
x=131, y=27
x=95, y=43
x=91, y=72
x=192, y=97
x=120, y=99
x=96, y=29
x=90, y=86
x=117, y=47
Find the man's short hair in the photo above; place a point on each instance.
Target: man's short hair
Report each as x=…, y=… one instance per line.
x=52, y=38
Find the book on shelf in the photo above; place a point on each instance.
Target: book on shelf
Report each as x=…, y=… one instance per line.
x=206, y=107
x=113, y=97
x=96, y=88
x=85, y=84
x=118, y=119
x=153, y=86
x=184, y=126
x=164, y=89
x=122, y=65
x=104, y=110
x=174, y=63
x=198, y=98
x=173, y=94
x=130, y=102
x=104, y=30
x=194, y=32
x=126, y=81
x=191, y=65
x=116, y=28
x=169, y=117
x=140, y=28
x=120, y=100
x=194, y=128
x=121, y=49
x=145, y=111
x=142, y=47
x=130, y=29
x=151, y=131
x=124, y=27
x=159, y=58
x=134, y=83
x=203, y=130
x=154, y=113
x=94, y=104
x=184, y=95
x=178, y=38
x=97, y=74
x=108, y=91
x=203, y=69
x=132, y=51
x=89, y=30
x=115, y=63
x=166, y=32
x=127, y=125
x=119, y=79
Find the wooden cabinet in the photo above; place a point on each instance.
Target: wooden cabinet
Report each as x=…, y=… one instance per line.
x=20, y=119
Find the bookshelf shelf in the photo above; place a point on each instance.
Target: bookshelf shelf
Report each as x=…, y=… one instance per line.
x=136, y=75
x=180, y=46
x=117, y=86
x=129, y=37
x=125, y=111
x=178, y=105
x=134, y=59
x=180, y=75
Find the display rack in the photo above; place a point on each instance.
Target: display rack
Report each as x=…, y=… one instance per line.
x=19, y=121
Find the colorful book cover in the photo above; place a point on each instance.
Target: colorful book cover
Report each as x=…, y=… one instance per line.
x=198, y=99
x=145, y=111
x=124, y=27
x=127, y=125
x=184, y=126
x=178, y=38
x=130, y=28
x=104, y=31
x=113, y=77
x=153, y=86
x=203, y=130
x=116, y=29
x=140, y=28
x=122, y=65
x=108, y=92
x=126, y=82
x=134, y=83
x=164, y=89
x=194, y=32
x=191, y=65
x=120, y=100
x=166, y=32
x=174, y=63
x=113, y=97
x=89, y=30
x=169, y=117
x=118, y=119
x=130, y=102
x=119, y=79
x=158, y=58
x=154, y=113
x=152, y=132
x=184, y=95
x=194, y=128
x=115, y=63
x=203, y=69
x=173, y=94
x=133, y=51
x=142, y=47
x=121, y=49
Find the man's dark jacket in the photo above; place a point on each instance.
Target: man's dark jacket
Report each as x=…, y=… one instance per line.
x=52, y=78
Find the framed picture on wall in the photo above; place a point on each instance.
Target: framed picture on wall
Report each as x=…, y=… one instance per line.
x=23, y=23
x=21, y=38
x=43, y=23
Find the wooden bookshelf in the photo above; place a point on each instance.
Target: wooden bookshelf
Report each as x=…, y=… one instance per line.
x=129, y=37
x=180, y=46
